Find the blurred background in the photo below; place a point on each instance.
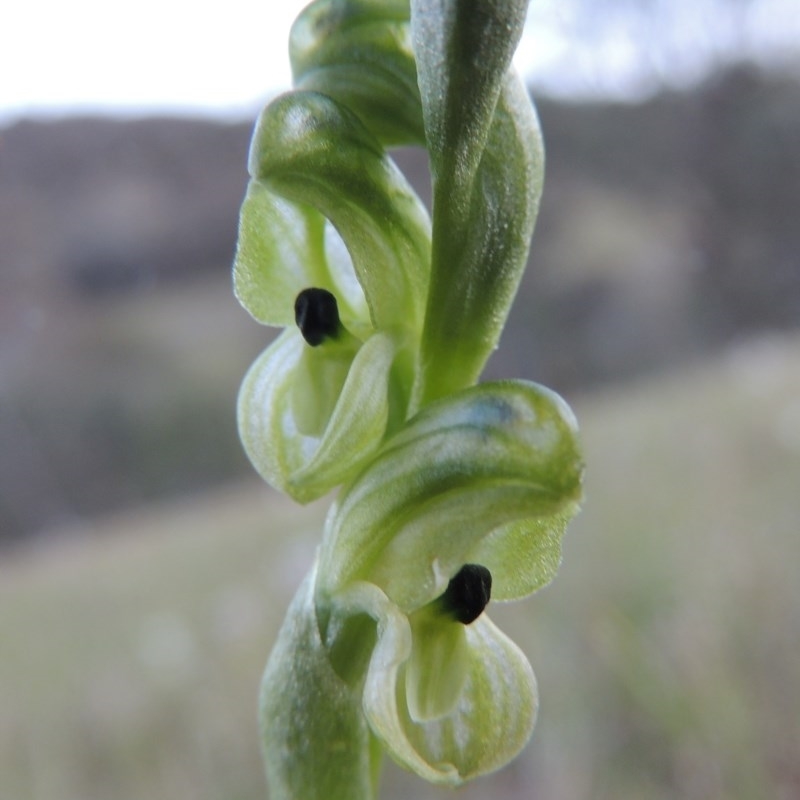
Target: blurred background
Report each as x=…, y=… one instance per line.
x=144, y=570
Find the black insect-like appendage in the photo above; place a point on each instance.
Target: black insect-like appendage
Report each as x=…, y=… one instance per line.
x=317, y=315
x=468, y=593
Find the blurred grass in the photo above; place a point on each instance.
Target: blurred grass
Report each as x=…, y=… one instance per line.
x=666, y=650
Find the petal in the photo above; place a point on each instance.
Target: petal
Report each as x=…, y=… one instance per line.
x=302, y=465
x=309, y=149
x=360, y=54
x=437, y=669
x=353, y=309
x=523, y=556
x=492, y=455
x=316, y=743
x=279, y=252
x=490, y=724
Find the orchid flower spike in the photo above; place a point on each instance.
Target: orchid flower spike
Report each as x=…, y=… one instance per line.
x=452, y=495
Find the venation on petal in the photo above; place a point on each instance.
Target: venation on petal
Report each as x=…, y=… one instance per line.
x=464, y=467
x=360, y=54
x=312, y=151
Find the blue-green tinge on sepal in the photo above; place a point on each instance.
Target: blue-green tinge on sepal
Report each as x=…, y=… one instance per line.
x=497, y=462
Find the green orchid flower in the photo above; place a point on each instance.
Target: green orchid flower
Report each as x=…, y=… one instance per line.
x=468, y=501
x=327, y=214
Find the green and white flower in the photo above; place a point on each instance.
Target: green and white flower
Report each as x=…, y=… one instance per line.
x=469, y=500
x=326, y=209
x=451, y=494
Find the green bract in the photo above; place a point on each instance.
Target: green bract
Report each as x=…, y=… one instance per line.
x=450, y=494
x=487, y=163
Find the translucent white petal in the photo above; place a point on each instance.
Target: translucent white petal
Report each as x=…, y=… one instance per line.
x=307, y=466
x=280, y=252
x=490, y=724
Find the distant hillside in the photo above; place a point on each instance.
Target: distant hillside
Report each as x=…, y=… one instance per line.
x=99, y=205
x=667, y=229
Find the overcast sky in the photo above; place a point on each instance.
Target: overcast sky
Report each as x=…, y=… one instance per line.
x=225, y=58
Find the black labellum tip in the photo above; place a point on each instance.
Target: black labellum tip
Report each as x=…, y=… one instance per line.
x=468, y=593
x=317, y=315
